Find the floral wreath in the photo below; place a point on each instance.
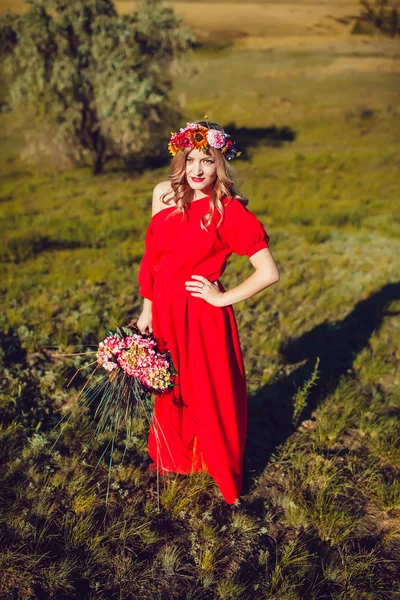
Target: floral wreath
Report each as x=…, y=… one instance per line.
x=198, y=137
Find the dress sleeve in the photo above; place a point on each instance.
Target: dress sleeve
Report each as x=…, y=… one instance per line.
x=242, y=231
x=145, y=276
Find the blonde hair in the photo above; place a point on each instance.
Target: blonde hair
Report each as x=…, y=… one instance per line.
x=183, y=193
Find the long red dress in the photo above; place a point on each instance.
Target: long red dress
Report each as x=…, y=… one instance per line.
x=201, y=424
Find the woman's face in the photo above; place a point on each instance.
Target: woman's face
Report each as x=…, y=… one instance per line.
x=201, y=171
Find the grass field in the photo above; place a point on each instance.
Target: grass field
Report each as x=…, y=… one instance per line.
x=317, y=115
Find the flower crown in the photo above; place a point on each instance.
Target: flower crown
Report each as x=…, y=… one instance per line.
x=201, y=138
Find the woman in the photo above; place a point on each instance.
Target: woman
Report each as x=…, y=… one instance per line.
x=198, y=220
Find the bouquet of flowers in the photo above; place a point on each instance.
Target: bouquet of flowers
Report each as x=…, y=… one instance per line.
x=135, y=370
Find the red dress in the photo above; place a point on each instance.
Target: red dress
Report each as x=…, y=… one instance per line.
x=201, y=424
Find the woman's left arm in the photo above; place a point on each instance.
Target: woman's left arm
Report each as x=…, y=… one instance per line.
x=266, y=274
x=244, y=234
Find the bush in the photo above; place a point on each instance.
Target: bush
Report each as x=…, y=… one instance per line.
x=104, y=79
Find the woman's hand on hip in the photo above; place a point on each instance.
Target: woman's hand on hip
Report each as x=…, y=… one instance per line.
x=202, y=288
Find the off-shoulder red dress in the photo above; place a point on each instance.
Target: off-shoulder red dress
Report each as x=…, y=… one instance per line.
x=201, y=424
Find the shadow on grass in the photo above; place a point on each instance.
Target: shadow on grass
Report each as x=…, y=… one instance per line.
x=248, y=138
x=337, y=344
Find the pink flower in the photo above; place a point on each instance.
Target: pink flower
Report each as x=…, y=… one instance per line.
x=215, y=138
x=108, y=349
x=111, y=345
x=109, y=366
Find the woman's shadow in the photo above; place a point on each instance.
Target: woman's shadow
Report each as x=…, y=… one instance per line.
x=337, y=344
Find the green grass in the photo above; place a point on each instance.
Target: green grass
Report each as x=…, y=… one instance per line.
x=319, y=516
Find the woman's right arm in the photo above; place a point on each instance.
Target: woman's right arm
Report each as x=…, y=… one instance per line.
x=145, y=276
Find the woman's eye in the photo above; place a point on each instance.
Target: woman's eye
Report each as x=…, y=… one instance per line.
x=207, y=160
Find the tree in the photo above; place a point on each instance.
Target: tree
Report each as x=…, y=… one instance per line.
x=382, y=16
x=104, y=79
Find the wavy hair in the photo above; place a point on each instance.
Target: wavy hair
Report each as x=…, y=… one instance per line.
x=223, y=186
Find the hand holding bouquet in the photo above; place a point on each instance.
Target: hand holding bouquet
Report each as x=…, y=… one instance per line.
x=135, y=370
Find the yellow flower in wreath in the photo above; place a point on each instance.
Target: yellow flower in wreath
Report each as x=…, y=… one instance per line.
x=198, y=138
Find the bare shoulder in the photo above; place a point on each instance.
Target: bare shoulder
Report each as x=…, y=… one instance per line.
x=164, y=187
